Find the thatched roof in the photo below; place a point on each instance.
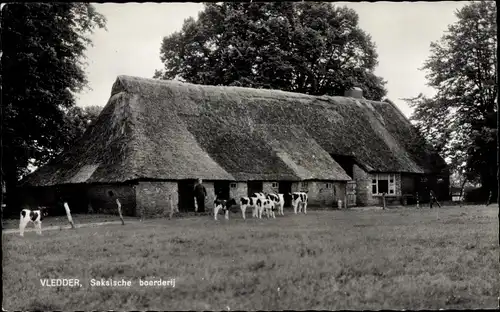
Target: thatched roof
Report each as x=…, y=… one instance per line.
x=171, y=130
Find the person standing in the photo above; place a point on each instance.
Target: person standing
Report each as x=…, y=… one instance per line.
x=200, y=193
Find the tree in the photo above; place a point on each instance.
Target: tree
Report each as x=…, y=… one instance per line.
x=42, y=68
x=77, y=120
x=313, y=48
x=460, y=120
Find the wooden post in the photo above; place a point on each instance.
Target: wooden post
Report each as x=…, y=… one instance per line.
x=383, y=201
x=418, y=201
x=489, y=198
x=68, y=213
x=345, y=200
x=172, y=208
x=120, y=210
x=462, y=192
x=439, y=206
x=435, y=199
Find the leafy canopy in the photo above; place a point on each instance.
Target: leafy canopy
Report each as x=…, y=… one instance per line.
x=313, y=48
x=42, y=69
x=460, y=121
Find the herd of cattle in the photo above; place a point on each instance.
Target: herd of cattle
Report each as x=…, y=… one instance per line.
x=262, y=203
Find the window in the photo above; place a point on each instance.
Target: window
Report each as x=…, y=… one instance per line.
x=274, y=185
x=303, y=184
x=384, y=183
x=328, y=185
x=233, y=185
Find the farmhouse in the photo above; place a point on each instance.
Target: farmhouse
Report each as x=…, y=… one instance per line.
x=155, y=137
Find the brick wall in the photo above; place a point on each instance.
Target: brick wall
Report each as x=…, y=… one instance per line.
x=340, y=190
x=320, y=195
x=100, y=201
x=398, y=185
x=241, y=190
x=153, y=198
x=364, y=195
x=267, y=187
x=363, y=186
x=209, y=201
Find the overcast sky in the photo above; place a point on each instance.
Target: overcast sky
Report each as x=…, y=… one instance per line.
x=401, y=31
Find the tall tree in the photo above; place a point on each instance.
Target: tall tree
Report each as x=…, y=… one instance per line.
x=43, y=47
x=460, y=121
x=314, y=48
x=77, y=120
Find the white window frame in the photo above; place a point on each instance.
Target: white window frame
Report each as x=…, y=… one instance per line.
x=384, y=176
x=274, y=184
x=233, y=185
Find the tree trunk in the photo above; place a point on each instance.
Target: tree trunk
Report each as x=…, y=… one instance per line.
x=462, y=191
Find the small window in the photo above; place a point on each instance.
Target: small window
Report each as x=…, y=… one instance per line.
x=391, y=191
x=304, y=184
x=328, y=185
x=274, y=185
x=374, y=181
x=233, y=185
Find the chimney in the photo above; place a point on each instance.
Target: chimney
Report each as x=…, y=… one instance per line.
x=354, y=92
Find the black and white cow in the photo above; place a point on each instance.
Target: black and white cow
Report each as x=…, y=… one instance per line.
x=278, y=200
x=224, y=205
x=259, y=195
x=249, y=202
x=33, y=216
x=299, y=200
x=265, y=206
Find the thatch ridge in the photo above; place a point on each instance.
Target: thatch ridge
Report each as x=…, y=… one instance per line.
x=177, y=130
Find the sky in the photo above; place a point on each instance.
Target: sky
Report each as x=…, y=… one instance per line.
x=402, y=32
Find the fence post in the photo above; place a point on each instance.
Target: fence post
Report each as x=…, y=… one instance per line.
x=435, y=199
x=383, y=201
x=120, y=210
x=489, y=198
x=418, y=202
x=172, y=208
x=68, y=214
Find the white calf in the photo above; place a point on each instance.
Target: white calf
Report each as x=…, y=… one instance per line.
x=34, y=216
x=279, y=202
x=299, y=200
x=225, y=205
x=267, y=206
x=261, y=196
x=246, y=202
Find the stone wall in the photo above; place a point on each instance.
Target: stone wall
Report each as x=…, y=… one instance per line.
x=209, y=201
x=363, y=186
x=323, y=196
x=99, y=199
x=364, y=195
x=241, y=190
x=267, y=187
x=153, y=198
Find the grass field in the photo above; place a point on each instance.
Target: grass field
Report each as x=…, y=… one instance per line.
x=391, y=259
